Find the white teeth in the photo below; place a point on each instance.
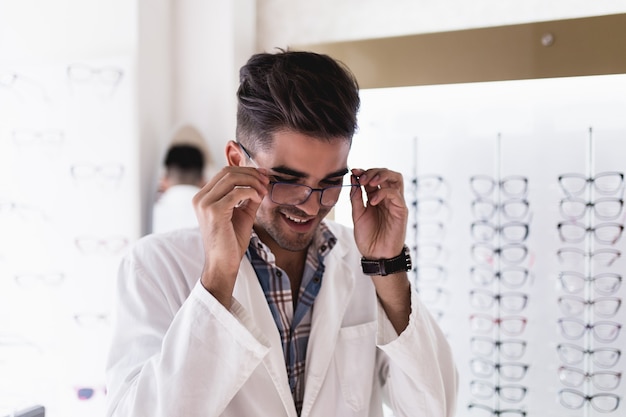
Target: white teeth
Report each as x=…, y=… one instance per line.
x=293, y=219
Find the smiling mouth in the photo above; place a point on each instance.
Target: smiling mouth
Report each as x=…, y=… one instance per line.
x=295, y=219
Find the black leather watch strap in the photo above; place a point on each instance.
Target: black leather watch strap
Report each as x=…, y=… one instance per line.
x=401, y=263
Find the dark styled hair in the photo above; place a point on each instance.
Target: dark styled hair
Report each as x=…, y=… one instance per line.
x=304, y=92
x=184, y=163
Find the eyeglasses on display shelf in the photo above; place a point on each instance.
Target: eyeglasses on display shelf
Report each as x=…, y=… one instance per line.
x=510, y=253
x=604, y=283
x=88, y=244
x=602, y=380
x=511, y=232
x=607, y=233
x=509, y=371
x=606, y=307
x=87, y=393
x=590, y=290
x=513, y=186
x=46, y=138
x=508, y=302
x=431, y=206
x=606, y=208
x=510, y=349
x=603, y=402
x=38, y=279
x=512, y=277
x=575, y=257
x=480, y=410
x=603, y=357
x=431, y=273
x=603, y=331
x=605, y=183
x=513, y=208
x=509, y=325
x=511, y=393
x=429, y=185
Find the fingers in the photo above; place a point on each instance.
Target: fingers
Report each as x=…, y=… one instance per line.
x=380, y=184
x=232, y=188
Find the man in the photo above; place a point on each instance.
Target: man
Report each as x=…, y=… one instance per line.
x=183, y=177
x=265, y=309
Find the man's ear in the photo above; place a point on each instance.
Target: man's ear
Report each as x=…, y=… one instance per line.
x=234, y=154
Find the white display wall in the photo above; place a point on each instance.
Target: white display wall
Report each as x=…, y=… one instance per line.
x=68, y=209
x=533, y=130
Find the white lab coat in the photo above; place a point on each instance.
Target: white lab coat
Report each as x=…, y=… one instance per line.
x=176, y=351
x=174, y=209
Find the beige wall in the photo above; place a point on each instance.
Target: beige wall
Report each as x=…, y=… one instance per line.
x=286, y=22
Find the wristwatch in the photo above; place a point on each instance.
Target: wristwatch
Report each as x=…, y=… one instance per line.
x=401, y=263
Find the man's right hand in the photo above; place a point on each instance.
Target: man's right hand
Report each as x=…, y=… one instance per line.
x=226, y=208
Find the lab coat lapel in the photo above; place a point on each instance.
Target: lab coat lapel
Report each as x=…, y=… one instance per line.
x=328, y=311
x=249, y=294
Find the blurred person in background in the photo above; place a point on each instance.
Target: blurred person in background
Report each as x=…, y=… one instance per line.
x=183, y=178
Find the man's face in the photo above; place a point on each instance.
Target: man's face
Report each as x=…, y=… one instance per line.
x=299, y=159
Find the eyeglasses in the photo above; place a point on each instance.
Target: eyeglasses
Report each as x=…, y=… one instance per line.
x=428, y=185
x=571, y=354
x=603, y=331
x=86, y=393
x=512, y=393
x=429, y=205
x=515, y=186
x=511, y=253
x=290, y=194
x=430, y=230
x=480, y=410
x=602, y=380
x=513, y=209
x=109, y=172
x=513, y=232
x=603, y=402
x=572, y=305
x=511, y=349
x=510, y=371
x=510, y=302
x=428, y=251
x=85, y=73
x=604, y=233
x=607, y=208
x=605, y=283
x=35, y=279
x=91, y=244
x=430, y=272
x=600, y=257
x=509, y=325
x=48, y=137
x=512, y=277
x=605, y=183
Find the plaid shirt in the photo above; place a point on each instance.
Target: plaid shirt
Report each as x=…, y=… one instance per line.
x=294, y=326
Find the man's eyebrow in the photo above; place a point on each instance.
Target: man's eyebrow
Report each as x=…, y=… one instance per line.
x=298, y=174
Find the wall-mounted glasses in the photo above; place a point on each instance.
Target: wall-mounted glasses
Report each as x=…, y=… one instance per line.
x=512, y=209
x=572, y=305
x=603, y=331
x=603, y=357
x=509, y=325
x=605, y=233
x=509, y=371
x=512, y=277
x=512, y=393
x=605, y=283
x=486, y=253
x=511, y=349
x=606, y=208
x=512, y=232
x=605, y=183
x=509, y=302
x=480, y=410
x=513, y=186
x=602, y=380
x=600, y=257
x=603, y=402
